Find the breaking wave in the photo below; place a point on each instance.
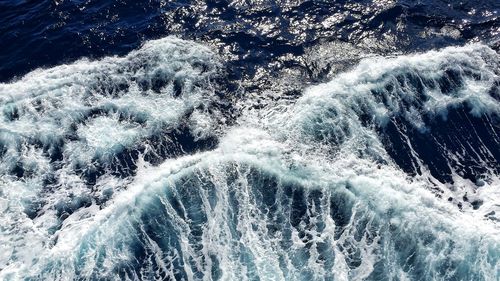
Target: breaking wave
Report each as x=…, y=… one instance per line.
x=127, y=168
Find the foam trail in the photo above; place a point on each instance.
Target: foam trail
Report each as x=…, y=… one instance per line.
x=313, y=190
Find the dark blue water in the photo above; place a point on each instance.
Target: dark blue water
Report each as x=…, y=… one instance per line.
x=45, y=33
x=249, y=140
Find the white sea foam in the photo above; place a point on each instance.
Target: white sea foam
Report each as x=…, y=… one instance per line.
x=303, y=192
x=73, y=115
x=151, y=88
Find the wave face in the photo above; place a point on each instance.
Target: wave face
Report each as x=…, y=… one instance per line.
x=127, y=168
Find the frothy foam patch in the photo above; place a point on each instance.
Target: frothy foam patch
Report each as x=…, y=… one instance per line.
x=104, y=133
x=63, y=130
x=154, y=87
x=303, y=192
x=436, y=111
x=408, y=87
x=292, y=217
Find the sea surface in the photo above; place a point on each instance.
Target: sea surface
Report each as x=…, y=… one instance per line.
x=250, y=140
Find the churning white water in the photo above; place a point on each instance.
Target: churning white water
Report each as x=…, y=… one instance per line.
x=307, y=190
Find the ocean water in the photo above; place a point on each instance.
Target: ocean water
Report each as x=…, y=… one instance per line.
x=249, y=140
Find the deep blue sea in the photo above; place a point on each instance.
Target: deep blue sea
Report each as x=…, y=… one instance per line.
x=250, y=140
